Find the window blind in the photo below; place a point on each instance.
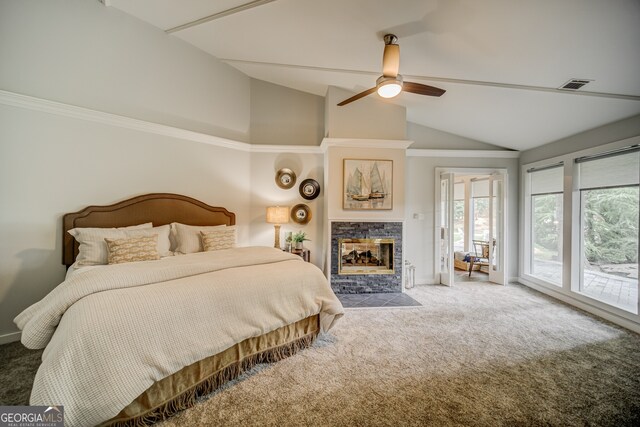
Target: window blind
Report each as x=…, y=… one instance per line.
x=610, y=170
x=480, y=188
x=547, y=180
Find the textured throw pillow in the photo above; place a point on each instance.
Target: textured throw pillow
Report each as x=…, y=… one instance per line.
x=187, y=237
x=141, y=248
x=215, y=240
x=93, y=248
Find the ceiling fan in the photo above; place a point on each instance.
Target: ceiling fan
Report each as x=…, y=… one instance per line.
x=390, y=83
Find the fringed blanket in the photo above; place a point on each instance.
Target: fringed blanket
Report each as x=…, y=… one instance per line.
x=111, y=332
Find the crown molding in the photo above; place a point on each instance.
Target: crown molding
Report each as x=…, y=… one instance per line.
x=299, y=149
x=484, y=154
x=81, y=113
x=66, y=110
x=398, y=144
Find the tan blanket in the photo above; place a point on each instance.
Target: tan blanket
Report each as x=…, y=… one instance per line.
x=111, y=332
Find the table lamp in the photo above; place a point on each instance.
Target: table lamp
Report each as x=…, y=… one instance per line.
x=277, y=215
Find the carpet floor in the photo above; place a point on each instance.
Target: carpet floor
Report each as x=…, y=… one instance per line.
x=475, y=354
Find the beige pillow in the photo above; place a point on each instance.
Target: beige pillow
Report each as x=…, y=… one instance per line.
x=215, y=240
x=188, y=238
x=93, y=248
x=141, y=248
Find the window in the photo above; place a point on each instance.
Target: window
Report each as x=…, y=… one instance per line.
x=546, y=192
x=609, y=218
x=480, y=206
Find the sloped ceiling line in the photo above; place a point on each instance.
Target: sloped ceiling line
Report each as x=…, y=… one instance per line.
x=219, y=15
x=231, y=61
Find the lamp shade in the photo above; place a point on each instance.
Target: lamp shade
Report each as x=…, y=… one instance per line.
x=277, y=214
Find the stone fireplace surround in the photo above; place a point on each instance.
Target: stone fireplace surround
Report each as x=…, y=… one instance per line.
x=366, y=283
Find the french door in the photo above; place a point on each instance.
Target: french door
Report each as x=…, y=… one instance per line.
x=444, y=266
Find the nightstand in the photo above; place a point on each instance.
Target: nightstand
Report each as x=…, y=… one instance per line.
x=304, y=253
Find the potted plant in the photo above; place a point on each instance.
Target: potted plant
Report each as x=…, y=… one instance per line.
x=298, y=238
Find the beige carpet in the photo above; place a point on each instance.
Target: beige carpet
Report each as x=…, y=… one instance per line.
x=473, y=355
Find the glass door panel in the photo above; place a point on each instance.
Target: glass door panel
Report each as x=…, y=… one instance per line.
x=445, y=215
x=497, y=225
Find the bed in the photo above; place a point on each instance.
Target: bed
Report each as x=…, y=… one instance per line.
x=133, y=343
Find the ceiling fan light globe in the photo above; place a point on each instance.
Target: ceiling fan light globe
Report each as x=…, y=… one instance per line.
x=388, y=87
x=389, y=90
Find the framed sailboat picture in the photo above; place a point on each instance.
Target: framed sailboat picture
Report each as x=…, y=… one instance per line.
x=368, y=184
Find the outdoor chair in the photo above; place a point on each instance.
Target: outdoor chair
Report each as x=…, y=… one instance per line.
x=480, y=255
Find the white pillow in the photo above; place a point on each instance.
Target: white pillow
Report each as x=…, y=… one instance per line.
x=93, y=248
x=222, y=238
x=187, y=237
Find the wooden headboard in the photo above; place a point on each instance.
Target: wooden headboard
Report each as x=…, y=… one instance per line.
x=158, y=208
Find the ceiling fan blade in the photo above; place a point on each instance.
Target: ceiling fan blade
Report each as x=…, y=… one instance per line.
x=358, y=96
x=421, y=89
x=391, y=60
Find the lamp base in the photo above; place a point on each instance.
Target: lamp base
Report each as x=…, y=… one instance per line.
x=276, y=243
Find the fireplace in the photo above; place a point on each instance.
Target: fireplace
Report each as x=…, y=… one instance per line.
x=366, y=256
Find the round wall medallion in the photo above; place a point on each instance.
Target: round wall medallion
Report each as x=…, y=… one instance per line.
x=285, y=178
x=309, y=189
x=301, y=213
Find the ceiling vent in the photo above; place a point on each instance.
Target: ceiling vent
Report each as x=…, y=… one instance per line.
x=574, y=84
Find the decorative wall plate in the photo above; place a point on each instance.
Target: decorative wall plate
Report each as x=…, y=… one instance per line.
x=309, y=189
x=301, y=213
x=285, y=178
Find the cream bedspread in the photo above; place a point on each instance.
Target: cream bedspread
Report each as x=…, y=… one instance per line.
x=111, y=332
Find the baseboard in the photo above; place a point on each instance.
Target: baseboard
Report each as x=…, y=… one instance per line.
x=621, y=321
x=10, y=337
x=425, y=280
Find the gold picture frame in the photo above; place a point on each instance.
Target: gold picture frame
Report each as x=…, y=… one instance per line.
x=367, y=184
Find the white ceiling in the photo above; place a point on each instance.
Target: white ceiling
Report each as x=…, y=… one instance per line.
x=494, y=46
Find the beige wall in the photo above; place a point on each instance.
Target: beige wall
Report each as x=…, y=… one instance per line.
x=420, y=198
x=82, y=53
x=50, y=165
x=366, y=118
x=429, y=138
x=283, y=116
x=265, y=192
x=612, y=132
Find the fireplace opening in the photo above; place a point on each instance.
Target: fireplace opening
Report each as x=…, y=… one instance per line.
x=366, y=256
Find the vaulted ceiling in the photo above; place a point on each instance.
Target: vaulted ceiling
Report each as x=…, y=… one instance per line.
x=500, y=61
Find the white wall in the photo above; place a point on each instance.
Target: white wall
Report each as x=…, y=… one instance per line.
x=420, y=198
x=82, y=53
x=265, y=192
x=51, y=165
